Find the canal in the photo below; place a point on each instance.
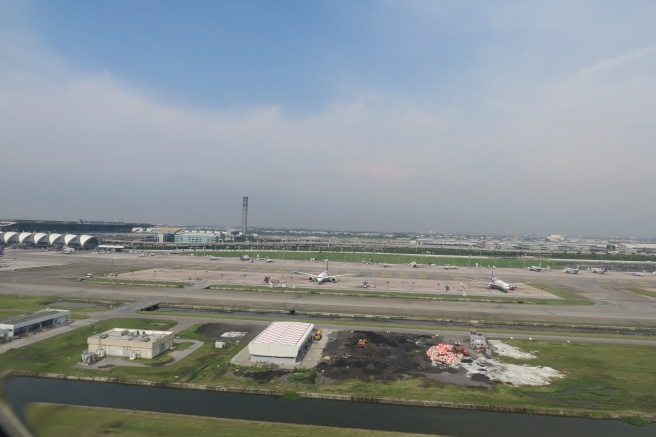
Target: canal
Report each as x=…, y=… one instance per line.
x=20, y=391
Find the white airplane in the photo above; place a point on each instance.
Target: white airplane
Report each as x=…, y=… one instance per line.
x=68, y=250
x=449, y=267
x=571, y=270
x=539, y=268
x=386, y=264
x=215, y=258
x=496, y=283
x=642, y=273
x=598, y=270
x=415, y=265
x=323, y=276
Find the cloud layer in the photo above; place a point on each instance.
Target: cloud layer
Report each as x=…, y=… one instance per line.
x=506, y=150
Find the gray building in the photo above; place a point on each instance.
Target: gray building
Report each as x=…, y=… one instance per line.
x=29, y=322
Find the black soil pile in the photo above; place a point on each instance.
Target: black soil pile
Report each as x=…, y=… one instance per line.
x=386, y=357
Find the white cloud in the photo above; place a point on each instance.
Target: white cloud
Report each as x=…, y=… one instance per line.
x=542, y=154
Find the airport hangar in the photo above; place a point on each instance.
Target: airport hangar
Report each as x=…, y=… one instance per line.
x=281, y=343
x=24, y=323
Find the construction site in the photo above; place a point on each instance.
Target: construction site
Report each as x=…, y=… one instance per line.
x=340, y=355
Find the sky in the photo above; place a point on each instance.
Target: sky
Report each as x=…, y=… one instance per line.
x=497, y=117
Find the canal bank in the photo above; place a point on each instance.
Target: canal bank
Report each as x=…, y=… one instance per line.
x=22, y=388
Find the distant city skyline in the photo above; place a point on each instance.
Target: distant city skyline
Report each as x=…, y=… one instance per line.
x=509, y=117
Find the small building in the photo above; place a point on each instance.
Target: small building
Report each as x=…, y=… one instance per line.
x=281, y=342
x=130, y=343
x=34, y=321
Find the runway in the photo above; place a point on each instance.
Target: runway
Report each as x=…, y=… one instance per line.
x=54, y=274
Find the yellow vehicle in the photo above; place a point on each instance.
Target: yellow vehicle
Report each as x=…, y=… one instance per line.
x=362, y=343
x=318, y=334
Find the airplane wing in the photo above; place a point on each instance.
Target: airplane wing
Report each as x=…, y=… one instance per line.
x=345, y=274
x=305, y=273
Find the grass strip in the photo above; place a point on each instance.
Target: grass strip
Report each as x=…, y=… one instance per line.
x=68, y=420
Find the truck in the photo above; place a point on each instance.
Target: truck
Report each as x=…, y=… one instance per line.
x=318, y=334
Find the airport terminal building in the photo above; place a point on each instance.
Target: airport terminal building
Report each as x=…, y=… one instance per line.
x=281, y=343
x=130, y=343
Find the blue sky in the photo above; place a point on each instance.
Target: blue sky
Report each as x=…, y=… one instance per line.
x=495, y=117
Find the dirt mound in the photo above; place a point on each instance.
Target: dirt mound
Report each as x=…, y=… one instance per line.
x=386, y=356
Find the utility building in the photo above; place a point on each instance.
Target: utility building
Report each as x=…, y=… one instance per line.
x=281, y=342
x=24, y=323
x=130, y=343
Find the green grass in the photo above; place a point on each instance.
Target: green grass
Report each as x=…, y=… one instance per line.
x=136, y=283
x=568, y=297
x=67, y=420
x=643, y=292
x=59, y=354
x=601, y=379
x=12, y=305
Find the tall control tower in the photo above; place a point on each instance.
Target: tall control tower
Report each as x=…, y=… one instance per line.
x=244, y=216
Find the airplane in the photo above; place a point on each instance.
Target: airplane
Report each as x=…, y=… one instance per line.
x=498, y=284
x=215, y=258
x=449, y=267
x=415, y=265
x=538, y=268
x=601, y=271
x=323, y=276
x=245, y=258
x=386, y=264
x=571, y=270
x=68, y=250
x=642, y=273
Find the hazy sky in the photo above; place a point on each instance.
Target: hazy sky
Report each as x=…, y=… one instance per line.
x=527, y=117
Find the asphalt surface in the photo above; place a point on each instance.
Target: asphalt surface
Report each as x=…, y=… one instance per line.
x=36, y=272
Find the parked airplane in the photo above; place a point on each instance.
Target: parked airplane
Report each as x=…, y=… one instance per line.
x=245, y=258
x=449, y=267
x=571, y=270
x=215, y=258
x=539, y=268
x=642, y=273
x=500, y=285
x=415, y=265
x=68, y=250
x=323, y=276
x=601, y=271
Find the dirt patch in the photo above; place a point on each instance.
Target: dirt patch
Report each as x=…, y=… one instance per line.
x=214, y=331
x=386, y=357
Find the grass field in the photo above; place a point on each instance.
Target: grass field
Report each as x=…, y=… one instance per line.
x=12, y=305
x=601, y=380
x=643, y=292
x=66, y=420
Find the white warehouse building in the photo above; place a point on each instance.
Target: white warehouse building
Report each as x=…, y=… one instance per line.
x=281, y=343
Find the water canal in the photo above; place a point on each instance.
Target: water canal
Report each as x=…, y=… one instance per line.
x=21, y=391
